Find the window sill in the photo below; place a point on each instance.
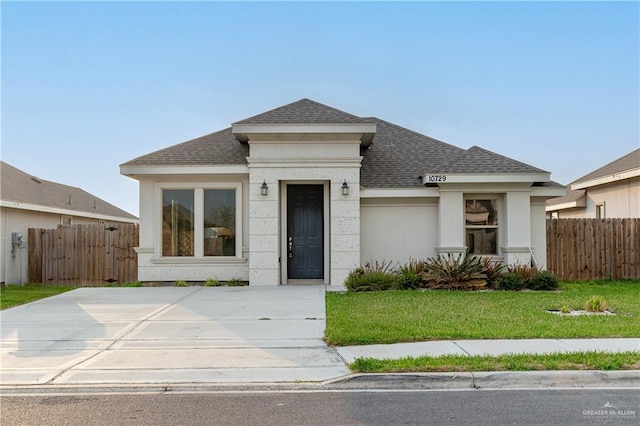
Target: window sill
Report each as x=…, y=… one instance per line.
x=199, y=260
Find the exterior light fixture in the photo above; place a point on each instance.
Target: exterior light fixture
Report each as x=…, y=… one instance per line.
x=345, y=188
x=264, y=189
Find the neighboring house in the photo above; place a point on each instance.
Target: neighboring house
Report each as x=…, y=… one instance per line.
x=612, y=191
x=28, y=202
x=305, y=193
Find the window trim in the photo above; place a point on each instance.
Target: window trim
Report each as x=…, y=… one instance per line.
x=198, y=219
x=601, y=207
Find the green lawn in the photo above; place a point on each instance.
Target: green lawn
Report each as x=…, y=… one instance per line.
x=13, y=295
x=405, y=316
x=517, y=362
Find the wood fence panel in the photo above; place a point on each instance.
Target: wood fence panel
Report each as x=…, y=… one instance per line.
x=586, y=249
x=90, y=255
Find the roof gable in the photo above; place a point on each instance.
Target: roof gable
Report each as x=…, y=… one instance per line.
x=20, y=187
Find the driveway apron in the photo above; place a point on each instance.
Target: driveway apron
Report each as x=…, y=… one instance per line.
x=169, y=335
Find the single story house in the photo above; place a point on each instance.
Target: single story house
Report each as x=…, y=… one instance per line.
x=306, y=192
x=29, y=202
x=611, y=191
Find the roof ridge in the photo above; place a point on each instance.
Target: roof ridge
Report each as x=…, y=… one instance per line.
x=302, y=109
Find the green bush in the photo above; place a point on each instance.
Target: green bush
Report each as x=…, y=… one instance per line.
x=527, y=272
x=181, y=283
x=409, y=275
x=596, y=304
x=369, y=280
x=454, y=273
x=510, y=281
x=543, y=280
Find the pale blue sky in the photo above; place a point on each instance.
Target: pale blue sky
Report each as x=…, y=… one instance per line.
x=87, y=86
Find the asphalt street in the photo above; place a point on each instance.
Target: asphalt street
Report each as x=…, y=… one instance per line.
x=454, y=407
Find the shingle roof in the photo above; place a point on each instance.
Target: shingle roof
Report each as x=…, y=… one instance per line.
x=21, y=187
x=398, y=156
x=396, y=159
x=480, y=160
x=624, y=163
x=303, y=111
x=219, y=148
x=571, y=197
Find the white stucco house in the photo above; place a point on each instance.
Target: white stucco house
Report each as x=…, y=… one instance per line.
x=306, y=192
x=30, y=202
x=610, y=191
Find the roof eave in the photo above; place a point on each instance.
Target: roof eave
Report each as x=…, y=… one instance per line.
x=444, y=178
x=367, y=131
x=149, y=169
x=615, y=177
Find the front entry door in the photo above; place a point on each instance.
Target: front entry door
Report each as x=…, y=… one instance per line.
x=305, y=233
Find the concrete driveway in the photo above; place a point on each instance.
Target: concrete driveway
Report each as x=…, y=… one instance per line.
x=169, y=335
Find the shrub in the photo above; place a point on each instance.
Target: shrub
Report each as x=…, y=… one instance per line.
x=596, y=304
x=235, y=282
x=510, y=281
x=454, y=273
x=361, y=279
x=180, y=283
x=212, y=282
x=527, y=272
x=409, y=275
x=493, y=270
x=543, y=280
x=383, y=267
x=565, y=309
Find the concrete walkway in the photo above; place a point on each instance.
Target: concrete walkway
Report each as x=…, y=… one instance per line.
x=169, y=335
x=486, y=347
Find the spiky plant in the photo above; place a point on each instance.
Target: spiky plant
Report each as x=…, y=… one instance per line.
x=455, y=273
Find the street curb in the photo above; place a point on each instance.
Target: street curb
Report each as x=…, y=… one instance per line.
x=367, y=382
x=490, y=380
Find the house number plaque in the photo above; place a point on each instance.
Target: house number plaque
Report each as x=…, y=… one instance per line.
x=437, y=178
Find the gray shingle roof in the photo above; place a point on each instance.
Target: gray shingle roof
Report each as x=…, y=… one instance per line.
x=572, y=196
x=18, y=186
x=480, y=160
x=219, y=148
x=303, y=111
x=622, y=164
x=396, y=159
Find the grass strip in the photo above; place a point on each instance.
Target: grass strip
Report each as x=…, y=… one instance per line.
x=14, y=295
x=409, y=316
x=515, y=362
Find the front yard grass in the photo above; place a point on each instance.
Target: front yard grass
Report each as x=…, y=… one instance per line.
x=406, y=316
x=516, y=362
x=14, y=295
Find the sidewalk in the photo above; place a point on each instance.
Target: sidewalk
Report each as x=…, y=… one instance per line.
x=486, y=347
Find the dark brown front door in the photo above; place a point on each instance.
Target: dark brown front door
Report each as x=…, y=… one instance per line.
x=305, y=232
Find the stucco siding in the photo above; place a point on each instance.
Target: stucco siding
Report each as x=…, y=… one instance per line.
x=398, y=229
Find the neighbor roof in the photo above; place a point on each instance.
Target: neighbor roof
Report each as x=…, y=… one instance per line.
x=627, y=162
x=396, y=159
x=20, y=187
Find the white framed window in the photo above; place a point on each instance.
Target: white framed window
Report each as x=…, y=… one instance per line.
x=199, y=220
x=600, y=211
x=481, y=225
x=65, y=220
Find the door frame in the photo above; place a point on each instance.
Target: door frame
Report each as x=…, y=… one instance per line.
x=326, y=219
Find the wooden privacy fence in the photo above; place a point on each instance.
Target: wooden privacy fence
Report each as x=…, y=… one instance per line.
x=89, y=255
x=585, y=249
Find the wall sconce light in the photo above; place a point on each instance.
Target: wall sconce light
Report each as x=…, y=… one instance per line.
x=345, y=188
x=264, y=189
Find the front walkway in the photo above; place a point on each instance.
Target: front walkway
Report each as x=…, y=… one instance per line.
x=169, y=335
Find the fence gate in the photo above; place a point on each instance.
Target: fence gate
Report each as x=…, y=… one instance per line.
x=90, y=255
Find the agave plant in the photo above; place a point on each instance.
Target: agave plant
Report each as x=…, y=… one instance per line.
x=455, y=273
x=492, y=269
x=409, y=274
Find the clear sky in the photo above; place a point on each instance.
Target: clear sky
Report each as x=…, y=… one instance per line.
x=87, y=86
